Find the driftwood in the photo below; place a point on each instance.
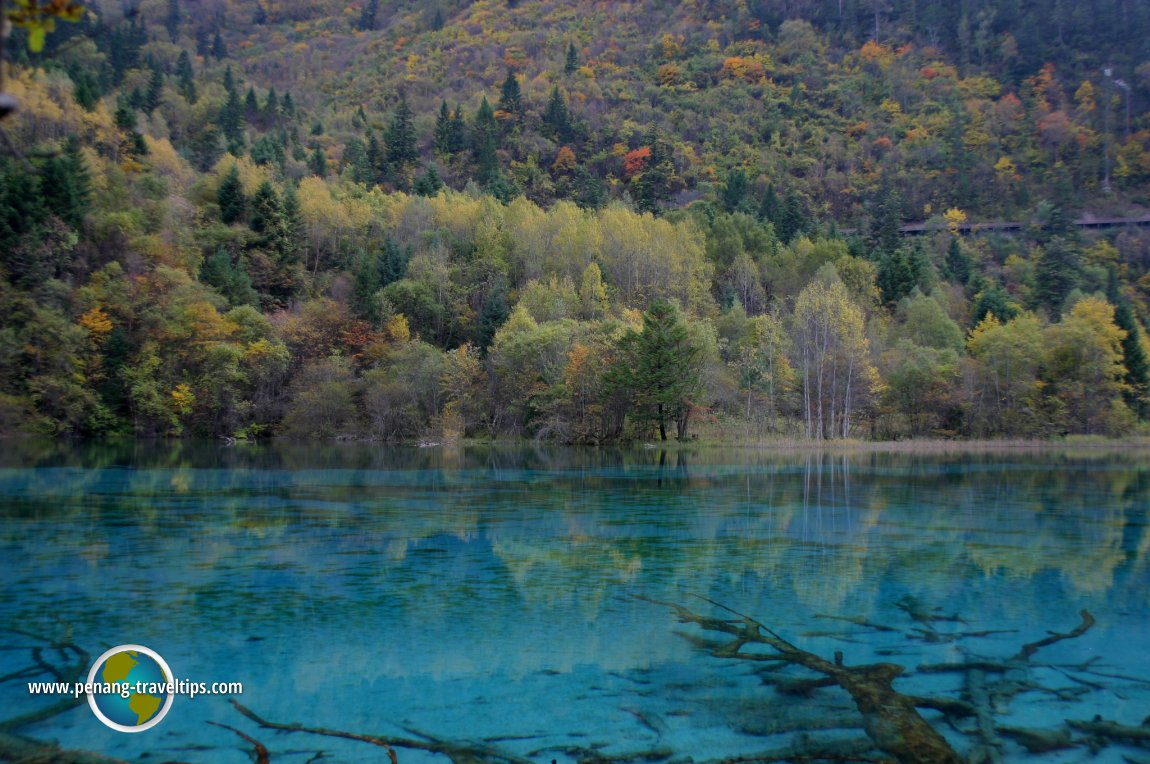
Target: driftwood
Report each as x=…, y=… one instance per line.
x=891, y=720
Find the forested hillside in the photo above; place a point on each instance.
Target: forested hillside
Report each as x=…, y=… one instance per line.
x=581, y=221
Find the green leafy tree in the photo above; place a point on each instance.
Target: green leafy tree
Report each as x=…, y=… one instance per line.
x=735, y=193
x=402, y=150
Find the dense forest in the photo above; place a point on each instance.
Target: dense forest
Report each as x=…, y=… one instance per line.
x=579, y=221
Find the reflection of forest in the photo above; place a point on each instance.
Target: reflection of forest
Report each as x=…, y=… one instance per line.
x=280, y=532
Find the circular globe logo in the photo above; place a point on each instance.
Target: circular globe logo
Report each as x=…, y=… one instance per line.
x=144, y=687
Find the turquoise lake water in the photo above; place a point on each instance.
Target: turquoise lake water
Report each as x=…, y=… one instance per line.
x=490, y=594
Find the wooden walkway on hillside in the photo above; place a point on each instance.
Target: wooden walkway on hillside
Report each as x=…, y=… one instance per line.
x=1087, y=221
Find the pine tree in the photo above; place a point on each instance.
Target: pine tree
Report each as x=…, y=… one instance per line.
x=443, y=130
x=292, y=226
x=1058, y=272
x=251, y=106
x=230, y=197
x=556, y=118
x=317, y=162
x=437, y=20
x=957, y=262
x=429, y=183
x=65, y=184
x=219, y=50
x=651, y=187
x=260, y=17
x=375, y=159
x=393, y=261
x=769, y=208
x=484, y=144
x=735, y=191
x=85, y=90
x=367, y=16
x=265, y=210
x=400, y=136
x=510, y=96
x=288, y=107
x=125, y=115
x=458, y=140
x=172, y=19
x=493, y=315
x=271, y=110
x=1137, y=393
x=571, y=65
x=185, y=77
x=886, y=220
x=232, y=116
x=665, y=380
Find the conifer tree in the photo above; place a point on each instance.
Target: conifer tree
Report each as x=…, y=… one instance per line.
x=458, y=130
x=265, y=209
x=510, y=96
x=429, y=183
x=367, y=16
x=571, y=65
x=185, y=77
x=400, y=136
x=1057, y=273
x=288, y=107
x=484, y=144
x=1137, y=379
x=155, y=93
x=251, y=106
x=172, y=19
x=230, y=197
x=65, y=184
x=665, y=380
x=443, y=129
x=271, y=110
x=556, y=118
x=733, y=195
x=219, y=49
x=317, y=162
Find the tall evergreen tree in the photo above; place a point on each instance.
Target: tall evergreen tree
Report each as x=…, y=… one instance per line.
x=271, y=109
x=230, y=197
x=665, y=378
x=484, y=144
x=317, y=162
x=572, y=63
x=185, y=77
x=443, y=129
x=556, y=118
x=65, y=185
x=1058, y=272
x=458, y=140
x=1137, y=393
x=367, y=16
x=155, y=93
x=172, y=19
x=251, y=106
x=510, y=96
x=266, y=211
x=232, y=115
x=400, y=137
x=219, y=49
x=957, y=262
x=735, y=191
x=429, y=183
